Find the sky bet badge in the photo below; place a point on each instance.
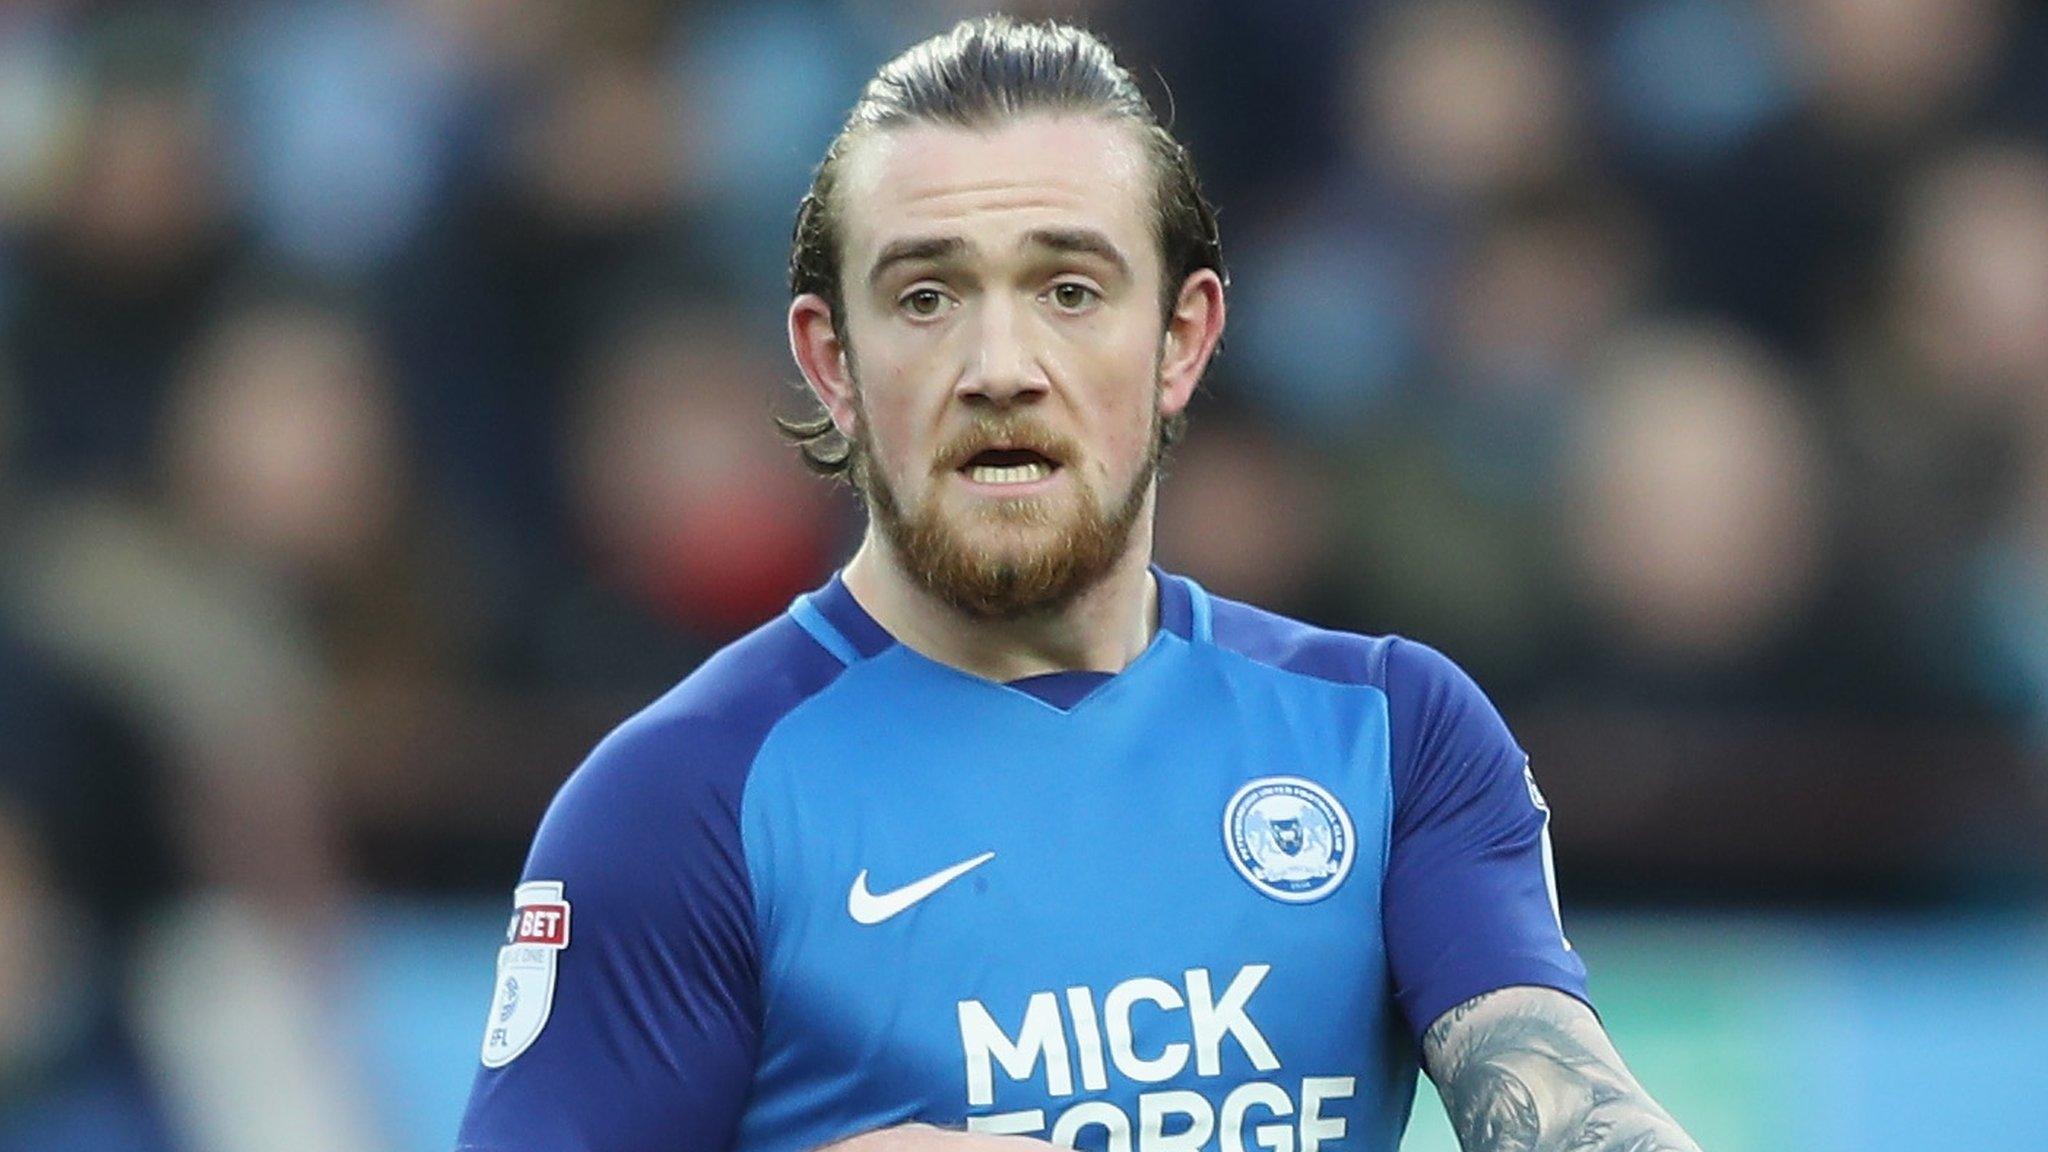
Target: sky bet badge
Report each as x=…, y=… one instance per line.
x=526, y=971
x=1289, y=838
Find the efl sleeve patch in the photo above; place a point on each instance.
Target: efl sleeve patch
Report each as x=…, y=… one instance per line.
x=525, y=991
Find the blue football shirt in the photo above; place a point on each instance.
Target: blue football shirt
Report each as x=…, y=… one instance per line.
x=827, y=885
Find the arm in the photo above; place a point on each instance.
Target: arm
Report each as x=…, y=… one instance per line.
x=1476, y=943
x=635, y=1025
x=1531, y=1070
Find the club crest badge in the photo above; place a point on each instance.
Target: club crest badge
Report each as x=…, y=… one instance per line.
x=1289, y=838
x=525, y=994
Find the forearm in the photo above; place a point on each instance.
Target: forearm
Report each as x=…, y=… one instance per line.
x=1531, y=1070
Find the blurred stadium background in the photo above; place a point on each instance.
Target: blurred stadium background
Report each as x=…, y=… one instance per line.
x=383, y=414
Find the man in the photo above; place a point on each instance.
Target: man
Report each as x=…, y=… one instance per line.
x=1005, y=838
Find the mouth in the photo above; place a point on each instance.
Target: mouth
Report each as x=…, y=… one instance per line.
x=1001, y=467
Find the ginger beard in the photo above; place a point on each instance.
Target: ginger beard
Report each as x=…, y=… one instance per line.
x=1060, y=547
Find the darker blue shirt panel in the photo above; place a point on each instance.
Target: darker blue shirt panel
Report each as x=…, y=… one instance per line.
x=1062, y=690
x=1466, y=904
x=1176, y=604
x=1469, y=906
x=836, y=603
x=656, y=1015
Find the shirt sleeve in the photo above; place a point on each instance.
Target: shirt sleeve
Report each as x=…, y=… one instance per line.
x=651, y=1027
x=1470, y=897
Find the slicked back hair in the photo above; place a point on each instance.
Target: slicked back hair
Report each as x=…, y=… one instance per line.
x=981, y=73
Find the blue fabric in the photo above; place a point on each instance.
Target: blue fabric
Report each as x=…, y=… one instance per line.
x=1063, y=689
x=1468, y=906
x=652, y=1036
x=837, y=606
x=818, y=894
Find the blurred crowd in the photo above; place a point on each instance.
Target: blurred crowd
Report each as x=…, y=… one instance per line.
x=385, y=391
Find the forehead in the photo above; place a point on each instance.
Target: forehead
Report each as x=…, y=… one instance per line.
x=993, y=185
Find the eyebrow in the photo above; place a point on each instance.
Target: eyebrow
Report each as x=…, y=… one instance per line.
x=918, y=248
x=1078, y=241
x=1081, y=241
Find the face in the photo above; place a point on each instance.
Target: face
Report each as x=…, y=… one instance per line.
x=1006, y=363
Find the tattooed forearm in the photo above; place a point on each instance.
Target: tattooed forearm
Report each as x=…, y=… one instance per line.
x=1530, y=1070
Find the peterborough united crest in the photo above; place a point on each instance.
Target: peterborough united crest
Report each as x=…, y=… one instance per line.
x=1289, y=838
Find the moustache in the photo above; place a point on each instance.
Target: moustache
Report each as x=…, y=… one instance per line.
x=1004, y=436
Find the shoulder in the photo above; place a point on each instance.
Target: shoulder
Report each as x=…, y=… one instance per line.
x=696, y=744
x=1440, y=722
x=1395, y=664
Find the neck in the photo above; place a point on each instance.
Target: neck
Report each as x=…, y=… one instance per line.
x=1102, y=630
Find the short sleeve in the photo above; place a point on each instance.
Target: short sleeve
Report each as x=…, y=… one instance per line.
x=1469, y=903
x=636, y=896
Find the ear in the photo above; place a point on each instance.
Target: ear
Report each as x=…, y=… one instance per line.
x=1192, y=332
x=822, y=357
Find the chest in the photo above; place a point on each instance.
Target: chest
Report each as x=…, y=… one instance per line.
x=994, y=913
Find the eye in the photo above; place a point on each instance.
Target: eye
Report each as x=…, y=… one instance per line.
x=1073, y=296
x=924, y=303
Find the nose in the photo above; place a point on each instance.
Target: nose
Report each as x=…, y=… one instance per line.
x=1003, y=366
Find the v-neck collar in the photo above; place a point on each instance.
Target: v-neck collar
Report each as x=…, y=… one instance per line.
x=836, y=619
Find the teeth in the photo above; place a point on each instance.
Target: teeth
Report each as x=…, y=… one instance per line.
x=1013, y=474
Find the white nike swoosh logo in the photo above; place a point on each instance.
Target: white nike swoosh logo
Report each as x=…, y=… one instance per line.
x=869, y=908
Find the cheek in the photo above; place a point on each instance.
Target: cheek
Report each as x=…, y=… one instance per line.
x=1130, y=401
x=896, y=421
x=1133, y=433
x=885, y=426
